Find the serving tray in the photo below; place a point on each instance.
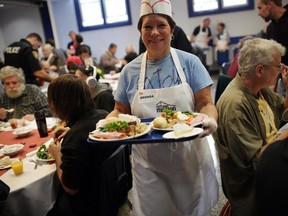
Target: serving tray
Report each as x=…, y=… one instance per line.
x=154, y=136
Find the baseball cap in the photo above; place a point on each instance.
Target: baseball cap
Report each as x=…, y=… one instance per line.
x=73, y=62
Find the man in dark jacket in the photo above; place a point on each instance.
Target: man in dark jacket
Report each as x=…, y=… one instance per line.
x=23, y=54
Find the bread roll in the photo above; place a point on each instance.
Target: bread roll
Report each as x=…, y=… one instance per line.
x=160, y=122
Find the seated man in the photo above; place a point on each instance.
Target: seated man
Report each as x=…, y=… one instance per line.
x=250, y=115
x=109, y=61
x=72, y=64
x=25, y=99
x=101, y=93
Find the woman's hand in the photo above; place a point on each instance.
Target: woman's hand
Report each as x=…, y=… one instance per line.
x=54, y=148
x=209, y=125
x=60, y=133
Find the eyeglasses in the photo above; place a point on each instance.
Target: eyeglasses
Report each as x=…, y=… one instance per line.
x=279, y=67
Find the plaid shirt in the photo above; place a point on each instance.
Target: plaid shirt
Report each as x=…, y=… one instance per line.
x=30, y=101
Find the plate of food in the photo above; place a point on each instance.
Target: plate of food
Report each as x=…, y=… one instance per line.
x=4, y=125
x=43, y=155
x=6, y=161
x=113, y=129
x=182, y=130
x=22, y=132
x=11, y=150
x=168, y=118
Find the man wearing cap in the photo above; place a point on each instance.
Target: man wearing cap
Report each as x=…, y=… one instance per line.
x=73, y=63
x=101, y=93
x=177, y=178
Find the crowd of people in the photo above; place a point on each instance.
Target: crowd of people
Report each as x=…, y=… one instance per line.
x=178, y=178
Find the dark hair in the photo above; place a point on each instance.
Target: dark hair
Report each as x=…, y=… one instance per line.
x=276, y=2
x=79, y=38
x=34, y=35
x=222, y=24
x=112, y=45
x=171, y=22
x=51, y=42
x=68, y=97
x=85, y=49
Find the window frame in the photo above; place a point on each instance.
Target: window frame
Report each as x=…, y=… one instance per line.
x=192, y=13
x=105, y=25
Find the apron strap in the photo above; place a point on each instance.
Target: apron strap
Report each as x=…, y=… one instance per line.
x=178, y=65
x=142, y=71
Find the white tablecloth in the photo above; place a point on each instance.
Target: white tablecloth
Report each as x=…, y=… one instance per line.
x=32, y=193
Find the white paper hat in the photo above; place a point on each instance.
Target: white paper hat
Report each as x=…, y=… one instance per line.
x=156, y=6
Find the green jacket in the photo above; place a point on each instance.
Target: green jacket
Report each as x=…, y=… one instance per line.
x=240, y=135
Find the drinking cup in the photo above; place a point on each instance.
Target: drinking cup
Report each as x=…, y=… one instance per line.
x=13, y=123
x=17, y=167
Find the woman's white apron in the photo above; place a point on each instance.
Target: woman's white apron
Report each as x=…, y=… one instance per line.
x=176, y=178
x=201, y=37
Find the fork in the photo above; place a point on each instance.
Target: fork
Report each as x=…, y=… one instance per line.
x=36, y=163
x=9, y=110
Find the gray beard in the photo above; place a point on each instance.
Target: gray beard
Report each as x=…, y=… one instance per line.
x=15, y=94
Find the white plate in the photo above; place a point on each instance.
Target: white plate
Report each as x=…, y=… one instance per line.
x=8, y=166
x=160, y=129
x=170, y=135
x=44, y=160
x=11, y=150
x=171, y=128
x=125, y=138
x=22, y=132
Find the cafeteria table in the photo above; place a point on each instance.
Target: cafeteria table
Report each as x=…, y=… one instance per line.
x=34, y=191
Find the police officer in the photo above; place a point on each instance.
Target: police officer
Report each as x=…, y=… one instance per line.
x=23, y=54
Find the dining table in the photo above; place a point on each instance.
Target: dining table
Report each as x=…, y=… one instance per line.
x=33, y=192
x=111, y=80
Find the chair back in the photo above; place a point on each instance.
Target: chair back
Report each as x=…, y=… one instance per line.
x=225, y=67
x=4, y=192
x=116, y=181
x=222, y=83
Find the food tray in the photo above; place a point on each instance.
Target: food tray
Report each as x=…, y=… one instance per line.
x=154, y=136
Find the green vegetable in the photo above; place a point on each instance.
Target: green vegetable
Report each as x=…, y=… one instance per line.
x=169, y=112
x=42, y=152
x=187, y=113
x=115, y=126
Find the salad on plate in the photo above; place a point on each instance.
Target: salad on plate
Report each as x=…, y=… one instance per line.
x=168, y=118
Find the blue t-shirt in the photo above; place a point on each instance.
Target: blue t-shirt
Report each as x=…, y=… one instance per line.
x=161, y=74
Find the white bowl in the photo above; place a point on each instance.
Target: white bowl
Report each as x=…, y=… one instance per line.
x=23, y=132
x=11, y=150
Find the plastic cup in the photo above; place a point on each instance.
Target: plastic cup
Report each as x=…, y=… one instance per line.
x=13, y=123
x=17, y=167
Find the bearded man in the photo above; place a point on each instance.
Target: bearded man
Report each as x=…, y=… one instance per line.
x=25, y=99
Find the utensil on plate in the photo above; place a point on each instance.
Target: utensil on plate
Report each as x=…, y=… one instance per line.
x=36, y=163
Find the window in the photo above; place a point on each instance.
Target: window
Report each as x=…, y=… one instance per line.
x=99, y=14
x=206, y=7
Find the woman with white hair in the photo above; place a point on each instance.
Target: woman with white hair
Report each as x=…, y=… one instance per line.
x=25, y=99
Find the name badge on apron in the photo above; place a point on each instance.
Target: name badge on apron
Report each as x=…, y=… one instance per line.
x=146, y=96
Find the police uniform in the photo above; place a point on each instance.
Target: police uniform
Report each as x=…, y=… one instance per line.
x=22, y=55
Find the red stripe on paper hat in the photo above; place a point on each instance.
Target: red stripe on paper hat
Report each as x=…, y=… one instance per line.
x=156, y=7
